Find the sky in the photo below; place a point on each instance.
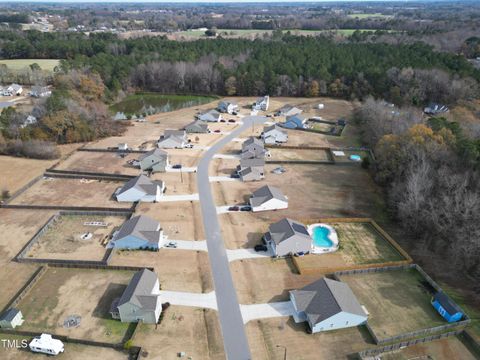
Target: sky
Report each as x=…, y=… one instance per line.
x=196, y=1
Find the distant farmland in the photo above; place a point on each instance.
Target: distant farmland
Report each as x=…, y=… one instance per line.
x=19, y=64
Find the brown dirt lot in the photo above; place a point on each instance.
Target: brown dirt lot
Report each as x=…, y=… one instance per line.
x=102, y=162
x=298, y=154
x=62, y=292
x=396, y=301
x=181, y=220
x=186, y=157
x=72, y=352
x=269, y=337
x=266, y=280
x=17, y=172
x=313, y=191
x=444, y=349
x=178, y=184
x=177, y=270
x=244, y=229
x=183, y=329
x=62, y=239
x=71, y=192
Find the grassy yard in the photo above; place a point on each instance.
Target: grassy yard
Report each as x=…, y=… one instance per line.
x=19, y=64
x=396, y=300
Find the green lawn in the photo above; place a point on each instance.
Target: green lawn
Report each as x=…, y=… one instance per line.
x=19, y=64
x=396, y=300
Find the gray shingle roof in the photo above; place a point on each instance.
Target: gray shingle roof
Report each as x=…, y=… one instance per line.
x=252, y=141
x=156, y=152
x=142, y=227
x=266, y=193
x=252, y=162
x=199, y=124
x=324, y=298
x=139, y=290
x=142, y=183
x=9, y=315
x=285, y=229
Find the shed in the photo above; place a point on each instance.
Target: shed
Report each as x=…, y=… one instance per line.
x=11, y=318
x=446, y=307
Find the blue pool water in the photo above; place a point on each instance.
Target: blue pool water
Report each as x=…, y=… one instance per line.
x=320, y=237
x=355, y=158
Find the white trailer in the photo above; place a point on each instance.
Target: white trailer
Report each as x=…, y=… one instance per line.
x=46, y=344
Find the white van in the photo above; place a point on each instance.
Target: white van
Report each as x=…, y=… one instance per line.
x=46, y=344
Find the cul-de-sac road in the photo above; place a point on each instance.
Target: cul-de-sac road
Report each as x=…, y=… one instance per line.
x=231, y=321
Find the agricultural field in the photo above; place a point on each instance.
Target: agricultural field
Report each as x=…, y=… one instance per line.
x=63, y=239
x=359, y=244
x=194, y=331
x=62, y=292
x=398, y=301
x=71, y=192
x=369, y=15
x=20, y=64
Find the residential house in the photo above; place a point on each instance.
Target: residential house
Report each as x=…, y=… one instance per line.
x=140, y=301
x=13, y=89
x=173, y=139
x=210, y=116
x=251, y=173
x=11, y=318
x=274, y=134
x=253, y=148
x=29, y=120
x=142, y=189
x=262, y=103
x=139, y=232
x=288, y=110
x=40, y=91
x=120, y=116
x=252, y=162
x=435, y=109
x=327, y=305
x=268, y=198
x=446, y=307
x=227, y=107
x=288, y=237
x=294, y=122
x=154, y=161
x=197, y=127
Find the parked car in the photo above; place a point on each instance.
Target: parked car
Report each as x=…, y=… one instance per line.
x=246, y=208
x=231, y=120
x=235, y=176
x=223, y=120
x=260, y=247
x=217, y=131
x=177, y=166
x=171, y=244
x=300, y=253
x=233, y=208
x=189, y=146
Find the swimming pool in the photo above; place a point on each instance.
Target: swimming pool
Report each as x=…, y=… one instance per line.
x=324, y=238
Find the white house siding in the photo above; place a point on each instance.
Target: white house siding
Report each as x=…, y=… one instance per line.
x=339, y=321
x=272, y=204
x=131, y=195
x=293, y=245
x=170, y=144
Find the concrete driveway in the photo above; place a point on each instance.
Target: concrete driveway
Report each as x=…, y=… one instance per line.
x=185, y=197
x=227, y=156
x=183, y=169
x=189, y=299
x=231, y=319
x=187, y=245
x=240, y=254
x=269, y=310
x=222, y=178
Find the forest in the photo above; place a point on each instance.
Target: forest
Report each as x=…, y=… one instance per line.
x=281, y=64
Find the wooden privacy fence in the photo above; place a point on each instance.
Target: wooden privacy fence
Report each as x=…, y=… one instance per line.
x=376, y=227
x=89, y=174
x=365, y=354
x=112, y=150
x=411, y=334
x=68, y=208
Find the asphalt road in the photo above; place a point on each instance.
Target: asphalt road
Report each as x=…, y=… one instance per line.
x=231, y=321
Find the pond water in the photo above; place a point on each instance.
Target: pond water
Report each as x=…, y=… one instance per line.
x=151, y=103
